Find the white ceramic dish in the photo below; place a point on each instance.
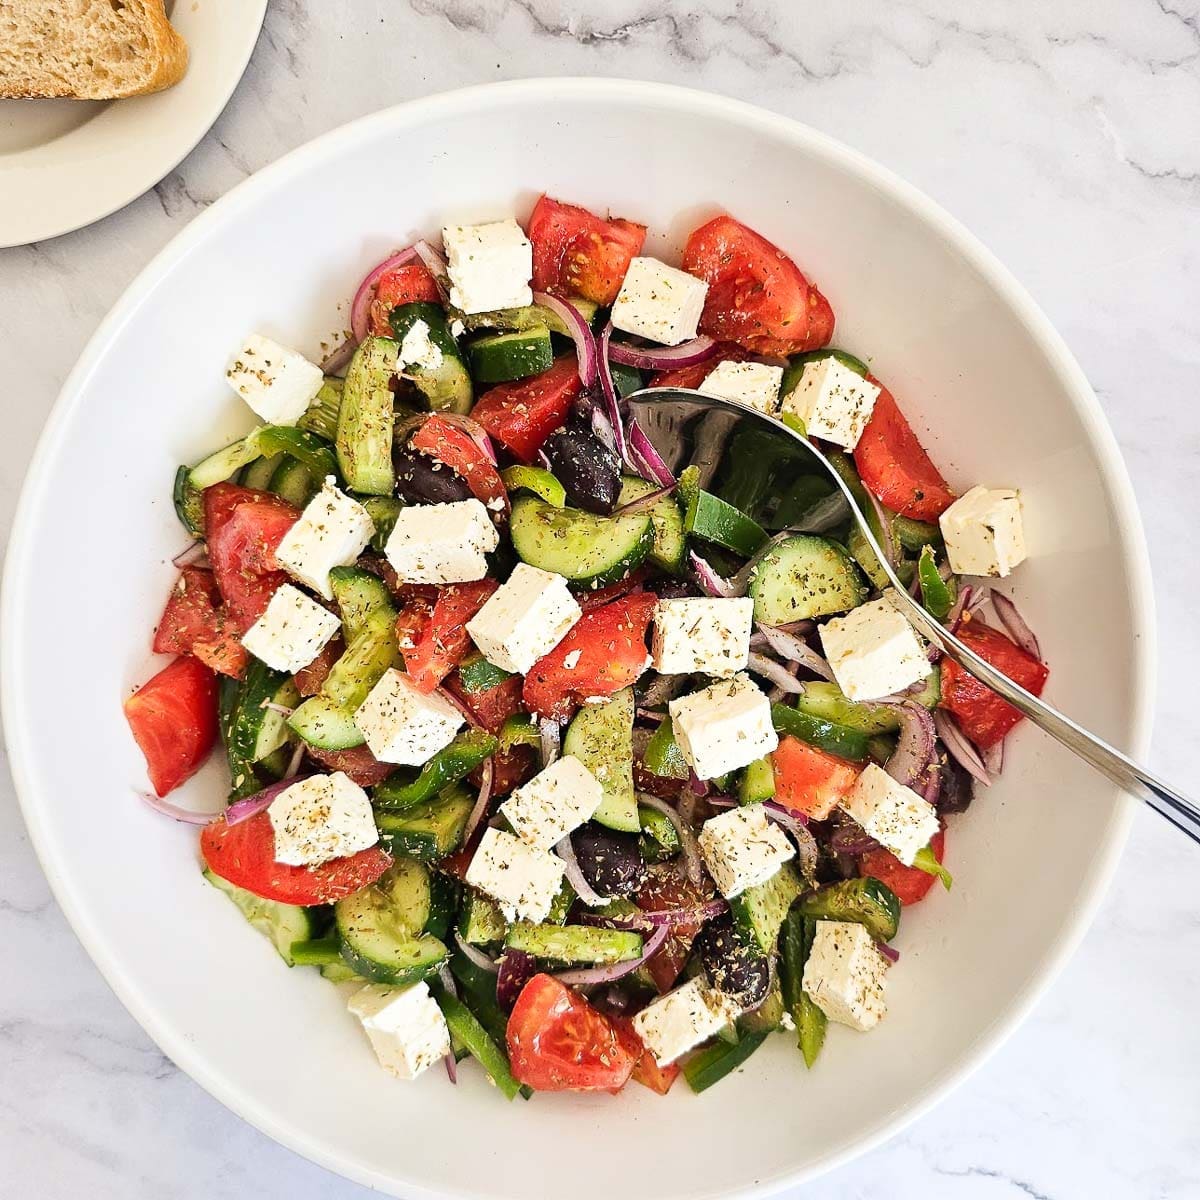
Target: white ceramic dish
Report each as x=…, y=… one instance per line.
x=67, y=163
x=989, y=386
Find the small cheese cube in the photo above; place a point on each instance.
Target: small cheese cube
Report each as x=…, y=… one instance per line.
x=405, y=1025
x=710, y=636
x=404, y=725
x=742, y=849
x=723, y=727
x=983, y=531
x=659, y=302
x=522, y=880
x=894, y=815
x=834, y=402
x=755, y=384
x=333, y=531
x=675, y=1023
x=553, y=803
x=490, y=266
x=292, y=631
x=417, y=350
x=321, y=818
x=442, y=543
x=524, y=619
x=276, y=382
x=873, y=651
x=844, y=974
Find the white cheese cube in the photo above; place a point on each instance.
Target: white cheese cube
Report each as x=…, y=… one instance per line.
x=524, y=619
x=873, y=651
x=292, y=631
x=276, y=382
x=522, y=880
x=490, y=266
x=417, y=350
x=845, y=974
x=723, y=727
x=742, y=849
x=659, y=302
x=405, y=1025
x=894, y=815
x=755, y=384
x=679, y=1021
x=321, y=818
x=333, y=531
x=553, y=803
x=442, y=543
x=404, y=725
x=710, y=636
x=834, y=402
x=983, y=531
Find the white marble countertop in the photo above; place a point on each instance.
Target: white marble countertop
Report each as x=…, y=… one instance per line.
x=1065, y=135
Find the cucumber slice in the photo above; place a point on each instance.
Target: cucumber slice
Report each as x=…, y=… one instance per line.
x=292, y=482
x=402, y=790
x=537, y=480
x=670, y=544
x=825, y=735
x=529, y=316
x=662, y=755
x=827, y=702
x=481, y=923
x=373, y=650
x=429, y=831
x=601, y=737
x=560, y=906
x=258, y=474
x=759, y=911
x=366, y=418
x=710, y=1066
x=254, y=731
x=446, y=387
x=757, y=782
x=358, y=595
x=322, y=415
x=586, y=549
x=868, y=901
x=804, y=576
x=574, y=943
x=501, y=357
x=795, y=942
x=281, y=924
x=324, y=725
x=383, y=511
x=767, y=1017
x=341, y=972
x=190, y=482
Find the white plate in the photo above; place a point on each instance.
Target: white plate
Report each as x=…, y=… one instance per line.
x=67, y=163
x=990, y=388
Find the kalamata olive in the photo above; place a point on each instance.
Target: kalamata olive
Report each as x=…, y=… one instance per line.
x=732, y=966
x=610, y=862
x=957, y=788
x=585, y=466
x=421, y=480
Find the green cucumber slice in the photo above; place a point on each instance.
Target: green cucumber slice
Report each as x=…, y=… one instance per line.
x=757, y=782
x=428, y=831
x=325, y=725
x=481, y=923
x=322, y=415
x=670, y=543
x=383, y=511
x=258, y=474
x=601, y=737
x=358, y=595
x=759, y=911
x=281, y=924
x=827, y=702
x=500, y=357
x=447, y=387
x=804, y=576
x=710, y=1066
x=574, y=943
x=366, y=418
x=825, y=735
x=291, y=481
x=713, y=520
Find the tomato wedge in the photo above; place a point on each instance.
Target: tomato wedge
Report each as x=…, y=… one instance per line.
x=611, y=645
x=697, y=373
x=510, y=768
x=358, y=762
x=173, y=717
x=309, y=679
x=646, y=1070
x=668, y=888
x=244, y=854
x=757, y=296
x=193, y=622
x=407, y=284
x=909, y=884
x=575, y=253
x=443, y=642
x=808, y=780
x=523, y=414
x=491, y=708
x=445, y=441
x=981, y=714
x=558, y=1042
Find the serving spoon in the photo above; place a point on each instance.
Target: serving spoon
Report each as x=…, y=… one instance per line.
x=688, y=428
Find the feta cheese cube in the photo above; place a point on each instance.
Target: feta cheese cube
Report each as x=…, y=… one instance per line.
x=844, y=974
x=742, y=849
x=276, y=382
x=417, y=350
x=404, y=725
x=983, y=531
x=755, y=384
x=834, y=402
x=723, y=727
x=659, y=302
x=710, y=636
x=553, y=803
x=682, y=1019
x=405, y=1025
x=894, y=815
x=292, y=631
x=333, y=531
x=873, y=651
x=522, y=880
x=524, y=619
x=321, y=818
x=490, y=266
x=442, y=543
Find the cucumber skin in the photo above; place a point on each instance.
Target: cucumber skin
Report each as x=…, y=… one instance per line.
x=367, y=417
x=759, y=912
x=574, y=943
x=601, y=737
x=281, y=924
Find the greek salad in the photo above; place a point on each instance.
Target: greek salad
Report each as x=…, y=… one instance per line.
x=560, y=762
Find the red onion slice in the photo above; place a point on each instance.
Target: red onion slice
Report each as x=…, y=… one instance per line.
x=954, y=616
x=481, y=804
x=612, y=402
x=794, y=649
x=888, y=952
x=710, y=582
x=960, y=749
x=768, y=668
x=476, y=956
x=993, y=758
x=649, y=500
x=196, y=554
x=551, y=736
x=687, y=839
x=435, y=264
x=583, y=889
x=185, y=815
x=850, y=838
x=243, y=810
x=360, y=307
x=1015, y=625
x=516, y=969
x=611, y=972
x=339, y=358
x=648, y=461
x=293, y=767
x=915, y=746
x=581, y=334
x=664, y=358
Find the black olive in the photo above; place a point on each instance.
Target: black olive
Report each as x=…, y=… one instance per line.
x=421, y=480
x=732, y=966
x=610, y=862
x=588, y=469
x=957, y=788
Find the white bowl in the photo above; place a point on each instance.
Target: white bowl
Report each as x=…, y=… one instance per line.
x=993, y=393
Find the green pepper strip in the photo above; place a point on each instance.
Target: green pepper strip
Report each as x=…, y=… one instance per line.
x=927, y=861
x=303, y=446
x=825, y=735
x=712, y=1065
x=447, y=766
x=663, y=756
x=937, y=594
x=795, y=943
x=519, y=731
x=536, y=480
x=316, y=952
x=466, y=1028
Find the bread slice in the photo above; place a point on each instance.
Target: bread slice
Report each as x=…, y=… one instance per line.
x=87, y=49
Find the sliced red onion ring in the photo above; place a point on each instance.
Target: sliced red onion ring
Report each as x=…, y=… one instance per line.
x=464, y=711
x=1015, y=625
x=436, y=265
x=451, y=1067
x=915, y=746
x=612, y=402
x=293, y=767
x=477, y=814
x=516, y=969
x=647, y=919
x=959, y=748
x=583, y=889
x=551, y=735
x=649, y=500
x=663, y=688
x=191, y=556
x=476, y=956
x=646, y=459
x=768, y=668
x=954, y=616
x=794, y=649
x=687, y=839
x=243, y=810
x=664, y=358
x=186, y=815
x=581, y=334
x=360, y=308
x=611, y=972
x=710, y=582
x=888, y=952
x=339, y=357
x=993, y=758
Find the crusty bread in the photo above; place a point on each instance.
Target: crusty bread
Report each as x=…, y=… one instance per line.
x=87, y=49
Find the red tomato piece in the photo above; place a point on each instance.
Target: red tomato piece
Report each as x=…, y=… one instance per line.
x=309, y=679
x=244, y=854
x=646, y=1070
x=358, y=762
x=575, y=253
x=894, y=466
x=523, y=414
x=668, y=888
x=410, y=283
x=444, y=642
x=510, y=769
x=193, y=622
x=909, y=884
x=588, y=600
x=697, y=373
x=490, y=708
x=173, y=717
x=558, y=1042
x=808, y=780
x=441, y=439
x=757, y=296
x=611, y=642
x=981, y=714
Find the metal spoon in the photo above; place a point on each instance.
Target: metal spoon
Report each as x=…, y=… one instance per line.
x=724, y=439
